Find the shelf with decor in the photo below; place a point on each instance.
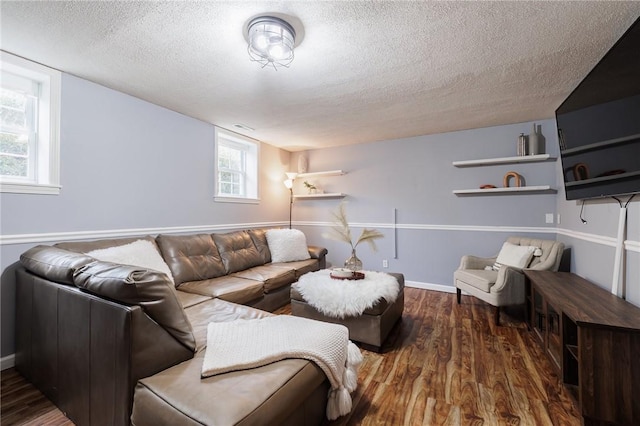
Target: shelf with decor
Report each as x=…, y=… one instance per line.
x=538, y=189
x=319, y=174
x=504, y=160
x=506, y=190
x=319, y=196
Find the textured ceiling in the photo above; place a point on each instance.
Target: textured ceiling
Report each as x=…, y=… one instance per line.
x=364, y=71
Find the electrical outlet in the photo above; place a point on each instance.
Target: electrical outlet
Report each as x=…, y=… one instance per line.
x=549, y=217
x=385, y=263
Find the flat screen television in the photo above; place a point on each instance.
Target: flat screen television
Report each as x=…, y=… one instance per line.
x=599, y=125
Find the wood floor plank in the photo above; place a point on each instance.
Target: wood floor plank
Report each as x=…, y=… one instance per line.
x=443, y=364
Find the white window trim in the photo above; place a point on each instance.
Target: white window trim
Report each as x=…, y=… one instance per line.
x=226, y=134
x=49, y=184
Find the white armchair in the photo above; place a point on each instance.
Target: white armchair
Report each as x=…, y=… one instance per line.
x=505, y=286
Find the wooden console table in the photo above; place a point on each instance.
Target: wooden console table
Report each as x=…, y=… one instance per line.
x=592, y=339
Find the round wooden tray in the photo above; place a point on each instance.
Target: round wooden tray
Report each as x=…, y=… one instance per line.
x=355, y=276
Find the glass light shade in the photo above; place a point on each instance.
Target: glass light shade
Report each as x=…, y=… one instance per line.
x=288, y=183
x=291, y=175
x=271, y=41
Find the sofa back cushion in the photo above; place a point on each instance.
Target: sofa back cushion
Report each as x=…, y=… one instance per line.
x=191, y=257
x=259, y=238
x=132, y=285
x=237, y=251
x=54, y=264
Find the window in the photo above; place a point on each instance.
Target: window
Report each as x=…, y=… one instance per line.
x=236, y=167
x=29, y=123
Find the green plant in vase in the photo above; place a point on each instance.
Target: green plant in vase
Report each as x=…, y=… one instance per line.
x=311, y=187
x=341, y=231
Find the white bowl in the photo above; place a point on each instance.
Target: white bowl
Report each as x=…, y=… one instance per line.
x=342, y=272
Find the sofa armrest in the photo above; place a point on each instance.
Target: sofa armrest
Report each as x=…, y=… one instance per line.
x=474, y=262
x=319, y=253
x=63, y=332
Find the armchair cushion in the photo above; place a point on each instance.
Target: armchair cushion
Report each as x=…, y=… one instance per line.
x=479, y=278
x=514, y=255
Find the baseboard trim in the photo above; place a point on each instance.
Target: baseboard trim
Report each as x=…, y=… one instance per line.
x=7, y=361
x=430, y=286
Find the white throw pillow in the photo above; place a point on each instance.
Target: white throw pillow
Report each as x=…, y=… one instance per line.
x=141, y=253
x=287, y=245
x=514, y=255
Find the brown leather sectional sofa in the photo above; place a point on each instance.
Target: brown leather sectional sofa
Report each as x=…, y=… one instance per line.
x=115, y=344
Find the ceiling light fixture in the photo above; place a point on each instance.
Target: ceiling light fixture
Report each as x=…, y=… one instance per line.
x=271, y=41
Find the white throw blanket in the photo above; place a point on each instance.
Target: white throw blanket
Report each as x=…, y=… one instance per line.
x=244, y=344
x=343, y=298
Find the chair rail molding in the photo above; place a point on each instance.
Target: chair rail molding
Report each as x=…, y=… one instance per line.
x=630, y=245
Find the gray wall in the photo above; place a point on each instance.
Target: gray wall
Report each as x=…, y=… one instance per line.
x=592, y=243
x=127, y=166
x=435, y=228
x=416, y=177
x=132, y=167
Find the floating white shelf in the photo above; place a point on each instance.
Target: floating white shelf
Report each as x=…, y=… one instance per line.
x=504, y=160
x=317, y=174
x=541, y=189
x=319, y=196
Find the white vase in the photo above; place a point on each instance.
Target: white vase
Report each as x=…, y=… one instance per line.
x=534, y=142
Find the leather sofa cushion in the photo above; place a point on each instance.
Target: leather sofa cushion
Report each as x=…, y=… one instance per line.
x=149, y=289
x=273, y=277
x=478, y=278
x=300, y=267
x=189, y=299
x=259, y=238
x=237, y=251
x=54, y=264
x=217, y=310
x=191, y=257
x=229, y=288
x=257, y=396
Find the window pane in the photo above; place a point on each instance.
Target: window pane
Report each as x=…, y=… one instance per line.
x=14, y=155
x=223, y=157
x=14, y=144
x=237, y=166
x=29, y=112
x=13, y=166
x=13, y=109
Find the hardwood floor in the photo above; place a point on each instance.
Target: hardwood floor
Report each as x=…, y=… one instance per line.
x=444, y=364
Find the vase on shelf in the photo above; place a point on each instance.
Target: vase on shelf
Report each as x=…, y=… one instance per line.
x=353, y=263
x=534, y=141
x=522, y=145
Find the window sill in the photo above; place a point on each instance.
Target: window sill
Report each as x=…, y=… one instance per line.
x=236, y=200
x=29, y=188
